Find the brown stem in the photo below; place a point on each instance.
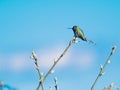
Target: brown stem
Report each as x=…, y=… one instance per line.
x=70, y=44
x=102, y=69
x=39, y=73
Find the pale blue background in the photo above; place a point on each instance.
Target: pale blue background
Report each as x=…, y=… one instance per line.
x=41, y=25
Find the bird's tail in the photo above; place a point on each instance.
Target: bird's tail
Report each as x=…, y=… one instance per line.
x=91, y=41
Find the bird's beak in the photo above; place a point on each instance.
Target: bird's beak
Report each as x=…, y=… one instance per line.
x=69, y=28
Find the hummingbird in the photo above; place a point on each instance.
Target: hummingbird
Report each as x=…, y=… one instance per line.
x=78, y=33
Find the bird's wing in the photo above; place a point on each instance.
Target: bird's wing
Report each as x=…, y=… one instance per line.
x=80, y=32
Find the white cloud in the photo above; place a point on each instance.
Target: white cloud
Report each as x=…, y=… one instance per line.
x=3, y=62
x=20, y=61
x=15, y=62
x=48, y=56
x=84, y=58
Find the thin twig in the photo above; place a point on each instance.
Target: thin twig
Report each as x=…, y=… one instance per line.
x=101, y=73
x=37, y=66
x=56, y=83
x=111, y=87
x=38, y=69
x=55, y=62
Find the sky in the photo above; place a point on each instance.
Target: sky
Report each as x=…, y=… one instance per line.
x=41, y=26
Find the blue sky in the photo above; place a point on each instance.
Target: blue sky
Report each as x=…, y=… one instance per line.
x=27, y=25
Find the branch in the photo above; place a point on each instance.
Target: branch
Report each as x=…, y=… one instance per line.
x=101, y=73
x=111, y=87
x=56, y=83
x=42, y=79
x=38, y=69
x=56, y=61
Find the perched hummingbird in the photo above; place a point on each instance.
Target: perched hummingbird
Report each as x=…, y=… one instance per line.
x=78, y=33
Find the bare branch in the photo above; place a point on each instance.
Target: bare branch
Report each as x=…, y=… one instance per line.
x=39, y=73
x=101, y=73
x=56, y=83
x=56, y=61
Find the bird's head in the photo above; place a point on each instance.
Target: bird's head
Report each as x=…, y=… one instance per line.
x=74, y=27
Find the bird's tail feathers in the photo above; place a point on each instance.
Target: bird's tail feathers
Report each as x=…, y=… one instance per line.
x=91, y=41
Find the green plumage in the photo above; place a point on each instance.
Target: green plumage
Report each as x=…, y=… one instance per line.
x=78, y=33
